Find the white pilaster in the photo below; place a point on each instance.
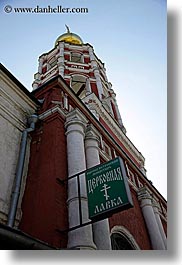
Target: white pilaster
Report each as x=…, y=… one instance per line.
x=88, y=87
x=94, y=66
x=91, y=54
x=41, y=60
x=117, y=109
x=142, y=167
x=65, y=101
x=61, y=65
x=148, y=213
x=157, y=216
x=36, y=81
x=81, y=238
x=98, y=83
x=61, y=49
x=35, y=85
x=101, y=230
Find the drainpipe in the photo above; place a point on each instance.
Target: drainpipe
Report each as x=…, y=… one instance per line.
x=19, y=172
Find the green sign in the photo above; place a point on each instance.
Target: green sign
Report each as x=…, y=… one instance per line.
x=107, y=189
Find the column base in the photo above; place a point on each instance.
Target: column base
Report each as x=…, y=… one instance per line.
x=83, y=248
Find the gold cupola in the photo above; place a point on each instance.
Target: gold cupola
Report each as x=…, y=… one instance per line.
x=69, y=37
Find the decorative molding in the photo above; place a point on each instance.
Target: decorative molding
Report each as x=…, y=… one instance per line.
x=75, y=117
x=144, y=194
x=93, y=103
x=125, y=232
x=51, y=111
x=156, y=206
x=92, y=133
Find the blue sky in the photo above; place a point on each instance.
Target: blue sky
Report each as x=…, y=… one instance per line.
x=129, y=36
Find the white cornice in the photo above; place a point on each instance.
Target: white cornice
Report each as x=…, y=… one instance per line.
x=77, y=47
x=51, y=111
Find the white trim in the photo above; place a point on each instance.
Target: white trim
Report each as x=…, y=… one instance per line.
x=52, y=111
x=76, y=69
x=125, y=232
x=52, y=53
x=94, y=103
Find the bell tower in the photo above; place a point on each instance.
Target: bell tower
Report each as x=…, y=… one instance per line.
x=80, y=127
x=77, y=63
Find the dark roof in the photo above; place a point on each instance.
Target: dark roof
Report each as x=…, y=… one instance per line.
x=15, y=239
x=17, y=82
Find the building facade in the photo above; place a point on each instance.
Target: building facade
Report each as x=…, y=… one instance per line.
x=79, y=126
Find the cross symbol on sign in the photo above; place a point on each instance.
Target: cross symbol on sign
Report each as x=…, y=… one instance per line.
x=105, y=188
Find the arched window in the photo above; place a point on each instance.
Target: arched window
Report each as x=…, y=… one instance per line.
x=118, y=241
x=76, y=57
x=78, y=84
x=121, y=239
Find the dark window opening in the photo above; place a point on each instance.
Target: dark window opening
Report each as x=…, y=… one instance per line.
x=78, y=85
x=120, y=242
x=76, y=58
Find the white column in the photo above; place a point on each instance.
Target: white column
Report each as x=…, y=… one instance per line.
x=148, y=213
x=158, y=219
x=101, y=229
x=81, y=238
x=61, y=65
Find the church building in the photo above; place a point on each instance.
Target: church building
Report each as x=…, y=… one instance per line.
x=49, y=138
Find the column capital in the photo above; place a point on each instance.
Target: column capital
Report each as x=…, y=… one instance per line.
x=143, y=193
x=76, y=117
x=91, y=133
x=96, y=72
x=156, y=206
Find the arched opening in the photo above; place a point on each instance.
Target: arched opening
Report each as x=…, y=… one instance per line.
x=121, y=239
x=76, y=57
x=119, y=242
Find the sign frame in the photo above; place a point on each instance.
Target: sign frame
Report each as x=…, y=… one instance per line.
x=98, y=177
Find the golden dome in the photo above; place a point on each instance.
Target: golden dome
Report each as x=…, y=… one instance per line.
x=69, y=37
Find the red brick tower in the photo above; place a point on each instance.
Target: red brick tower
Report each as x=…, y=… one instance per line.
x=80, y=126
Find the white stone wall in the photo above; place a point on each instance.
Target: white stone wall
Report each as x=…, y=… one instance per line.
x=15, y=107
